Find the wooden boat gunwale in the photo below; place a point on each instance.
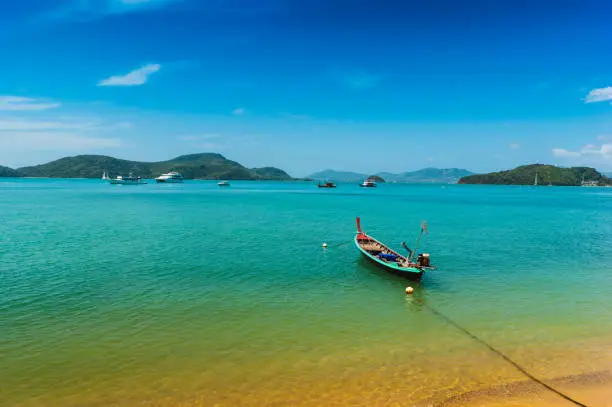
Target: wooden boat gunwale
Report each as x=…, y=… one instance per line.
x=412, y=270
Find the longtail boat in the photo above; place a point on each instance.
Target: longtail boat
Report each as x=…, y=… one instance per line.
x=388, y=259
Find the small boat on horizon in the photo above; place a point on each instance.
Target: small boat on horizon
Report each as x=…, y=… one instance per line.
x=368, y=184
x=388, y=259
x=172, y=177
x=105, y=176
x=327, y=185
x=126, y=180
x=224, y=184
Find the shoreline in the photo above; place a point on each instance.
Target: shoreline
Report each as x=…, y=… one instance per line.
x=446, y=381
x=587, y=388
x=592, y=389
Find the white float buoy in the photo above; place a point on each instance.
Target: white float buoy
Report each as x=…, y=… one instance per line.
x=324, y=245
x=409, y=290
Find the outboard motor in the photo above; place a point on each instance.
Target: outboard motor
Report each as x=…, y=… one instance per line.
x=423, y=260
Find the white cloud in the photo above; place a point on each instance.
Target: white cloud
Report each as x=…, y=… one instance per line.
x=18, y=134
x=16, y=103
x=515, y=146
x=53, y=141
x=561, y=152
x=589, y=152
x=135, y=78
x=239, y=112
x=599, y=95
x=18, y=124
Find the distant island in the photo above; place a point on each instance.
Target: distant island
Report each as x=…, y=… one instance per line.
x=426, y=175
x=8, y=172
x=192, y=166
x=546, y=174
x=376, y=178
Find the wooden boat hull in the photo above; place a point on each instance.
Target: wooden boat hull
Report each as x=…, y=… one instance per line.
x=386, y=258
x=411, y=273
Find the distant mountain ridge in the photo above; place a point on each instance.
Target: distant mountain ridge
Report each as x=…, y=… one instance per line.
x=426, y=175
x=429, y=175
x=547, y=174
x=192, y=166
x=338, y=176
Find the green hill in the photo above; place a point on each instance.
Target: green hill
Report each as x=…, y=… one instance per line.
x=8, y=172
x=376, y=178
x=270, y=173
x=547, y=174
x=192, y=166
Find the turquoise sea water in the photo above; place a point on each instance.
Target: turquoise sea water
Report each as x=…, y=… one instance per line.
x=197, y=295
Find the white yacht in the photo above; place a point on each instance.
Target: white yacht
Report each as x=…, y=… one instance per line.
x=223, y=184
x=368, y=184
x=129, y=180
x=105, y=176
x=172, y=177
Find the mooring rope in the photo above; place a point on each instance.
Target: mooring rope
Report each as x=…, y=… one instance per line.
x=343, y=243
x=503, y=356
x=335, y=245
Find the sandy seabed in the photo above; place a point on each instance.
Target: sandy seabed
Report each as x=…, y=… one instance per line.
x=477, y=378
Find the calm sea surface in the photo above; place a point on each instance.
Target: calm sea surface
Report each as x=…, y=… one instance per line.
x=176, y=295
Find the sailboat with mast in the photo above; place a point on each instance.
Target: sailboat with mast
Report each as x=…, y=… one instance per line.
x=105, y=176
x=535, y=182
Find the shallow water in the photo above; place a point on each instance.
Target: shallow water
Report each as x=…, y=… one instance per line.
x=197, y=295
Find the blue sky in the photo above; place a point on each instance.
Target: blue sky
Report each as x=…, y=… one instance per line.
x=307, y=85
